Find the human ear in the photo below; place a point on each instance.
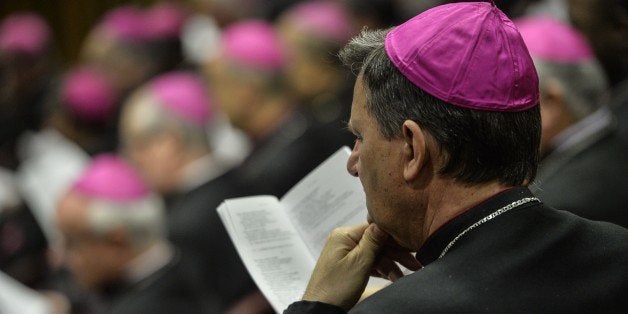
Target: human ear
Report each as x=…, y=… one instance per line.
x=414, y=150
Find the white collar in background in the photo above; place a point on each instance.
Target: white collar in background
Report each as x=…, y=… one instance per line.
x=150, y=261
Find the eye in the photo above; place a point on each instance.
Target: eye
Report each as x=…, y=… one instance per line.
x=357, y=135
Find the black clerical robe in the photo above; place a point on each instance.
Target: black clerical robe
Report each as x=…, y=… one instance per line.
x=195, y=227
x=589, y=178
x=171, y=289
x=289, y=153
x=530, y=259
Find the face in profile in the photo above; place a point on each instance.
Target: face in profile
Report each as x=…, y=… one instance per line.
x=92, y=259
x=154, y=152
x=377, y=162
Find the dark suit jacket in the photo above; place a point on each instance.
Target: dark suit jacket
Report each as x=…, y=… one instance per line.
x=531, y=259
x=172, y=289
x=195, y=227
x=294, y=149
x=589, y=179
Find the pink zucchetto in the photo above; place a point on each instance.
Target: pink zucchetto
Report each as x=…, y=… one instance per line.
x=468, y=54
x=88, y=95
x=253, y=43
x=164, y=20
x=553, y=41
x=125, y=23
x=183, y=94
x=24, y=33
x=109, y=177
x=323, y=19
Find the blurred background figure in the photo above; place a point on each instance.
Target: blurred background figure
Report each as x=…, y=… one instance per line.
x=583, y=169
x=164, y=22
x=117, y=46
x=23, y=247
x=131, y=44
x=248, y=81
x=115, y=240
x=313, y=32
x=605, y=25
x=77, y=124
x=17, y=298
x=163, y=129
x=26, y=68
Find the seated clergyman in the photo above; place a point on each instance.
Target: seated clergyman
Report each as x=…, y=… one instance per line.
x=447, y=124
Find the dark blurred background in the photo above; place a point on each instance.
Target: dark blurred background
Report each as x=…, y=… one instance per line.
x=70, y=20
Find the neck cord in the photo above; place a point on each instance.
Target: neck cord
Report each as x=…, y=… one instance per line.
x=494, y=214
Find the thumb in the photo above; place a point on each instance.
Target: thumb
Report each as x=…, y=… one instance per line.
x=371, y=243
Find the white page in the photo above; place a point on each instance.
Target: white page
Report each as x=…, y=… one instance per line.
x=269, y=246
x=326, y=198
x=17, y=298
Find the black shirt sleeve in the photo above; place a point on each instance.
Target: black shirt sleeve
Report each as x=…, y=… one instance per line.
x=312, y=307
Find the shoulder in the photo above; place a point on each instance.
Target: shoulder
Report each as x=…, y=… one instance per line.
x=532, y=260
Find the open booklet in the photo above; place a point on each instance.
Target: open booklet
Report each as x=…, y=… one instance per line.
x=280, y=240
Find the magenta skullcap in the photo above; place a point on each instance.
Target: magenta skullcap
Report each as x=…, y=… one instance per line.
x=88, y=95
x=24, y=33
x=164, y=20
x=253, y=43
x=554, y=41
x=324, y=19
x=184, y=94
x=125, y=23
x=109, y=177
x=468, y=54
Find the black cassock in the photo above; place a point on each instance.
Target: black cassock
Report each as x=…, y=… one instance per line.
x=171, y=289
x=530, y=259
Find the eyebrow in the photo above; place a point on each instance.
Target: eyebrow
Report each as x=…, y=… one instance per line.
x=349, y=127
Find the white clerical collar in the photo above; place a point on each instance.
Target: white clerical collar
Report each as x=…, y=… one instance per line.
x=592, y=124
x=150, y=261
x=200, y=171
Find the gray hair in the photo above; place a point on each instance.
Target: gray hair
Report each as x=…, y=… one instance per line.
x=144, y=219
x=583, y=84
x=153, y=119
x=479, y=146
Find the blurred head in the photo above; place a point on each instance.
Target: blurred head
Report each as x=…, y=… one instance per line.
x=164, y=21
x=117, y=45
x=107, y=219
x=571, y=80
x=84, y=109
x=605, y=25
x=163, y=127
x=24, y=33
x=88, y=96
x=248, y=71
x=314, y=32
x=418, y=122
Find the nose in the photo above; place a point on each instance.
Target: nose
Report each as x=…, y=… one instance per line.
x=352, y=162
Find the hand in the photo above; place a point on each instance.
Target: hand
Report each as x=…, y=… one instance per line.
x=350, y=255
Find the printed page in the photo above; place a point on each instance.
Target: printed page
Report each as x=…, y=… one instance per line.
x=327, y=198
x=270, y=247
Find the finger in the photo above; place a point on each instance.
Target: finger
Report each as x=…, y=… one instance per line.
x=347, y=236
x=388, y=269
x=366, y=252
x=403, y=257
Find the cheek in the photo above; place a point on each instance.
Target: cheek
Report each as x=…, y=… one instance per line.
x=94, y=266
x=85, y=265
